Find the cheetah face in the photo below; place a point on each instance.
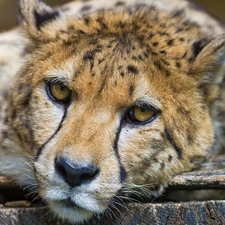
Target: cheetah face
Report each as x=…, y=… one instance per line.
x=102, y=111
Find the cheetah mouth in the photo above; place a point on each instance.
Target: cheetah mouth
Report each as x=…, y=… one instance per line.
x=70, y=204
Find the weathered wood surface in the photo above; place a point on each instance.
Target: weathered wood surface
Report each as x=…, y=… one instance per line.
x=192, y=213
x=209, y=175
x=6, y=183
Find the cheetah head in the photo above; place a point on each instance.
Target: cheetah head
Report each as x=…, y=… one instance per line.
x=112, y=103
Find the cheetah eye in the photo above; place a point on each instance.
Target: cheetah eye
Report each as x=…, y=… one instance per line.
x=141, y=114
x=58, y=92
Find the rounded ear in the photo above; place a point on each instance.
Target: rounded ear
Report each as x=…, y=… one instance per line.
x=209, y=68
x=33, y=16
x=211, y=59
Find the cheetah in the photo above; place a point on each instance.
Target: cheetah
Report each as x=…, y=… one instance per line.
x=102, y=99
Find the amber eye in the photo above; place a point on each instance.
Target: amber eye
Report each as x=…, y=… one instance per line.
x=141, y=114
x=58, y=91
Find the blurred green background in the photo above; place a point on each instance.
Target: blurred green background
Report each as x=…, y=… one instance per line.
x=8, y=10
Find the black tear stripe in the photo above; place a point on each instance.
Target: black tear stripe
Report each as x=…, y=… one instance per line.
x=53, y=135
x=123, y=174
x=172, y=142
x=41, y=19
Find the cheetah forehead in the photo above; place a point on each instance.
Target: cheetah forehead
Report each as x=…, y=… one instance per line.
x=138, y=32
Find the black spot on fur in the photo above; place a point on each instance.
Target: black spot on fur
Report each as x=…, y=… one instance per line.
x=89, y=55
x=26, y=102
x=178, y=13
x=178, y=65
x=140, y=57
x=150, y=36
x=87, y=21
x=76, y=73
x=163, y=25
x=122, y=74
x=102, y=23
x=172, y=142
x=101, y=60
x=41, y=19
x=102, y=85
x=158, y=65
x=179, y=29
x=93, y=41
x=146, y=55
x=26, y=91
x=14, y=113
x=167, y=72
x=170, y=42
x=4, y=134
x=132, y=69
x=170, y=158
x=121, y=24
x=162, y=52
x=81, y=31
x=184, y=55
x=119, y=3
x=162, y=165
x=154, y=53
x=181, y=39
x=131, y=90
x=85, y=8
x=6, y=120
x=155, y=44
x=158, y=145
x=134, y=57
x=165, y=62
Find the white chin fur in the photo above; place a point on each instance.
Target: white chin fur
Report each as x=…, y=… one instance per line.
x=71, y=214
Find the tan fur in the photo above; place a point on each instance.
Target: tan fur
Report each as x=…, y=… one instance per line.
x=164, y=54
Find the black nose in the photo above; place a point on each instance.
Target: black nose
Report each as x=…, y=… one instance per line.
x=75, y=174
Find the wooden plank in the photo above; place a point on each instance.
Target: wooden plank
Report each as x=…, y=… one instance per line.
x=191, y=213
x=210, y=174
x=199, y=180
x=7, y=183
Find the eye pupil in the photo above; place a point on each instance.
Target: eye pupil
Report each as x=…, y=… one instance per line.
x=63, y=88
x=58, y=92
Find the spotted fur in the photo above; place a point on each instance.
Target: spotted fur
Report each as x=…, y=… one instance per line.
x=112, y=55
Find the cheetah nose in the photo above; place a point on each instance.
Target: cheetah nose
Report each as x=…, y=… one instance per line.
x=75, y=174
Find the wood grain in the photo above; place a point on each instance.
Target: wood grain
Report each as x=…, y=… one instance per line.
x=191, y=213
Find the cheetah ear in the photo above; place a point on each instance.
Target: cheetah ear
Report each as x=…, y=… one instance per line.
x=33, y=16
x=209, y=68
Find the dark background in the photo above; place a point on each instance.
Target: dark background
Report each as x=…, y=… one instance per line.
x=8, y=10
